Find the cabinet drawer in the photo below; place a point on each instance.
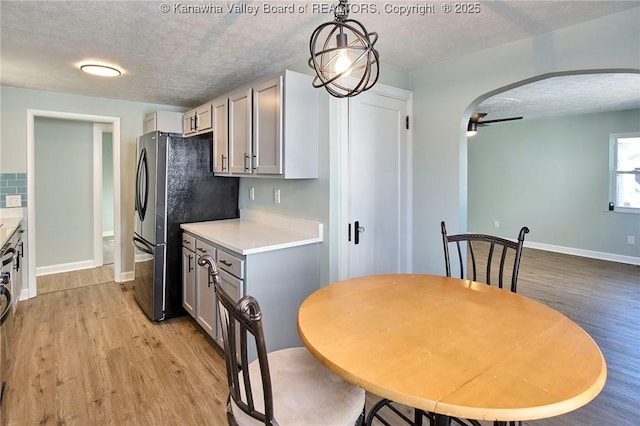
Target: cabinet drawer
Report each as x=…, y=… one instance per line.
x=230, y=263
x=189, y=241
x=203, y=248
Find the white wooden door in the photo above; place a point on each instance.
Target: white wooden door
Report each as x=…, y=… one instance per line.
x=376, y=182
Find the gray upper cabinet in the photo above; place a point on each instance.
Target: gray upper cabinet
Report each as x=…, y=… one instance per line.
x=267, y=126
x=240, y=144
x=197, y=120
x=272, y=129
x=219, y=111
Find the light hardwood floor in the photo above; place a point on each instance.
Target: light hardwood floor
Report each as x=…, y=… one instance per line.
x=88, y=356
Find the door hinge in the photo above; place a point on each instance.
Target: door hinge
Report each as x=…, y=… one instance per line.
x=407, y=122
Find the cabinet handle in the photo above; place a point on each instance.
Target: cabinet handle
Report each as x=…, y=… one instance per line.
x=222, y=161
x=195, y=119
x=246, y=157
x=254, y=163
x=190, y=267
x=225, y=263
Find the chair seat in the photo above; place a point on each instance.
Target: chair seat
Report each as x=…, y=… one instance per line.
x=304, y=392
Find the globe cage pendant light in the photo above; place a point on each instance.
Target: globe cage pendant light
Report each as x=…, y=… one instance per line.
x=345, y=50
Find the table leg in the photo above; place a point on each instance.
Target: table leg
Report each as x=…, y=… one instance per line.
x=442, y=420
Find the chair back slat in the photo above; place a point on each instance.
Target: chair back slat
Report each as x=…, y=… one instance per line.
x=459, y=257
x=509, y=250
x=473, y=262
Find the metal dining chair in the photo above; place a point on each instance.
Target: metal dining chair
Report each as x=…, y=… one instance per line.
x=480, y=249
x=284, y=387
x=510, y=252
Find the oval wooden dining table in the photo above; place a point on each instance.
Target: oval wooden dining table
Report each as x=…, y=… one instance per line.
x=452, y=347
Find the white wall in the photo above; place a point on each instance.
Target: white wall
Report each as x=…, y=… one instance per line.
x=445, y=94
x=552, y=175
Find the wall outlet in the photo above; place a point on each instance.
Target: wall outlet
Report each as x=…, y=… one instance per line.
x=496, y=224
x=631, y=239
x=252, y=193
x=276, y=196
x=13, y=200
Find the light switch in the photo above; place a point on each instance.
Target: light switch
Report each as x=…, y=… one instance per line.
x=13, y=200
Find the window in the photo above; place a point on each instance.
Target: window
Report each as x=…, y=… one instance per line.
x=625, y=172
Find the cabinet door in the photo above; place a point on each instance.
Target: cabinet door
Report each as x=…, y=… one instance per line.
x=233, y=287
x=240, y=154
x=188, y=281
x=189, y=123
x=150, y=123
x=220, y=140
x=203, y=118
x=267, y=126
x=206, y=302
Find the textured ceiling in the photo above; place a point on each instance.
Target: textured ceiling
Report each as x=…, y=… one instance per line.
x=566, y=95
x=191, y=52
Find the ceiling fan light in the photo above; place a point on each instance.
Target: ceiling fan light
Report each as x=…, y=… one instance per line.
x=343, y=48
x=472, y=129
x=101, y=70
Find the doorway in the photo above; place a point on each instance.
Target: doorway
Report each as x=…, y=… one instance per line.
x=105, y=125
x=374, y=146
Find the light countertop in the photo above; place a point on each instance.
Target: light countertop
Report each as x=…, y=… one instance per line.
x=8, y=226
x=257, y=231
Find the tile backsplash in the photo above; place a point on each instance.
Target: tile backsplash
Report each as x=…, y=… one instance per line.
x=13, y=184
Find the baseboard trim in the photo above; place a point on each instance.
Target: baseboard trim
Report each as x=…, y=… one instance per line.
x=125, y=276
x=584, y=253
x=24, y=294
x=142, y=257
x=65, y=267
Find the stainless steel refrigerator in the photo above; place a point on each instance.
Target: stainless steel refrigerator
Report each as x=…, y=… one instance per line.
x=174, y=185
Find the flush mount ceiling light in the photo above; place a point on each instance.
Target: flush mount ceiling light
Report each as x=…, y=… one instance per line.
x=342, y=49
x=101, y=70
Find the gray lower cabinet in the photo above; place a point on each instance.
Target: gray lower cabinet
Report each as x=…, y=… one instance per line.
x=279, y=279
x=189, y=274
x=189, y=281
x=206, y=302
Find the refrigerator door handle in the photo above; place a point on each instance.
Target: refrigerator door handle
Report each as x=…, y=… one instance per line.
x=142, y=245
x=142, y=173
x=137, y=197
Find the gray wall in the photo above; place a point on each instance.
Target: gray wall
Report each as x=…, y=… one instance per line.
x=311, y=198
x=63, y=154
x=552, y=175
x=445, y=94
x=14, y=103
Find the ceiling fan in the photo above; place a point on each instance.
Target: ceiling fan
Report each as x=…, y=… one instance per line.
x=476, y=121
